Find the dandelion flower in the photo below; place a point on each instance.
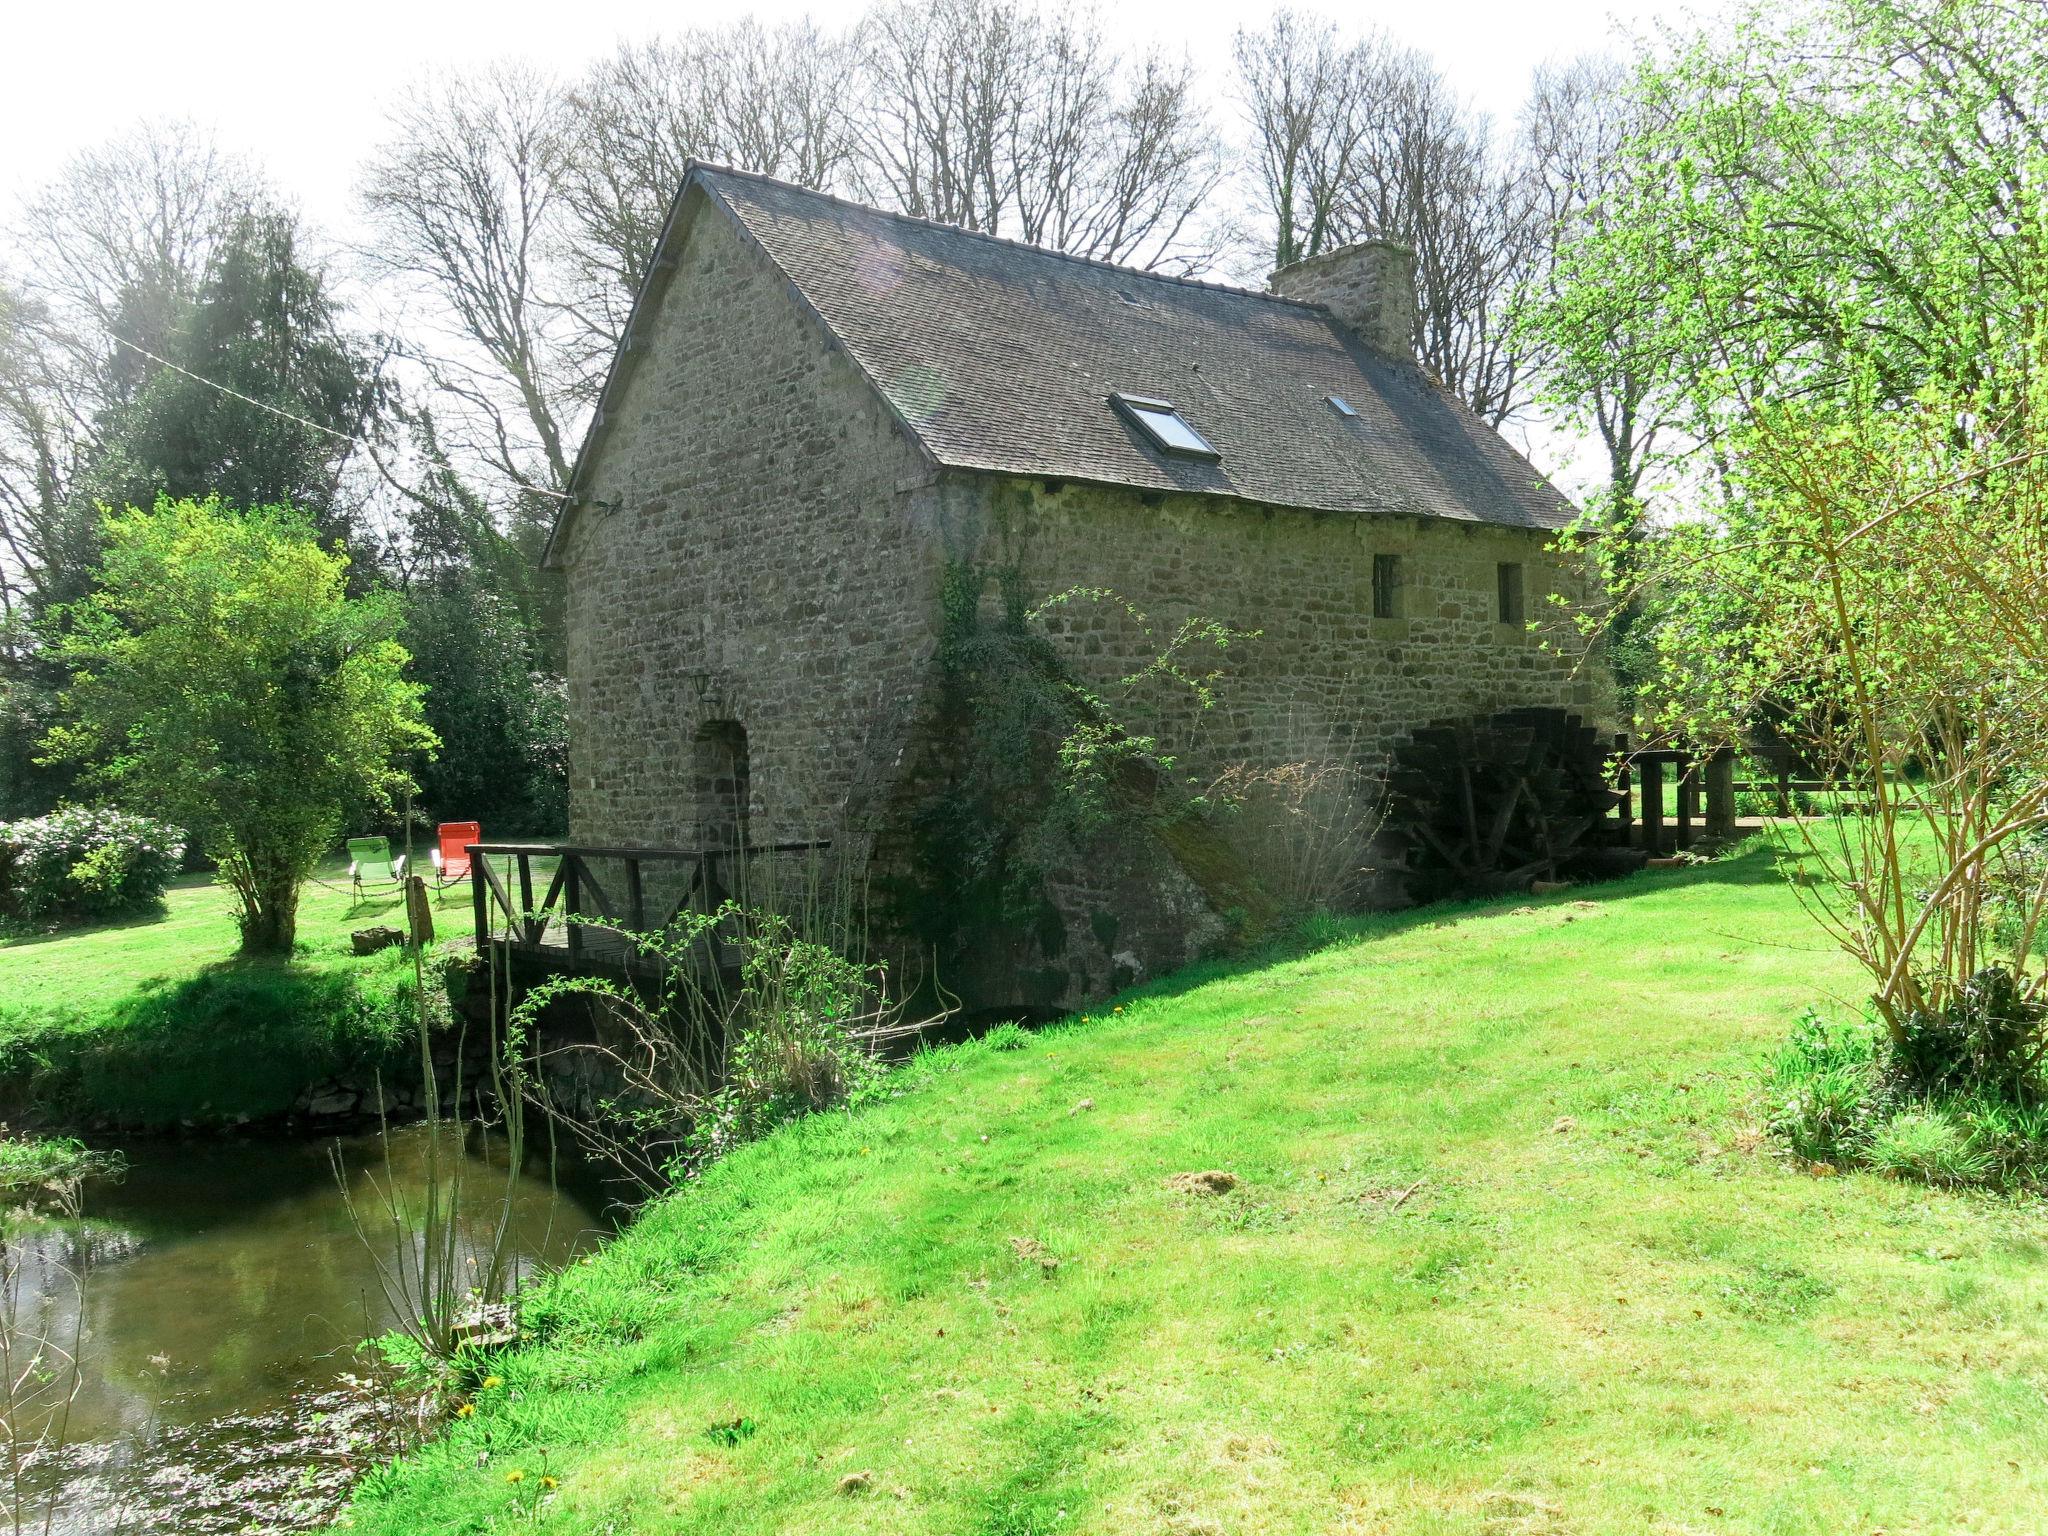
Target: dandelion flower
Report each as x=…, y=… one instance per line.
x=551, y=1482
x=493, y=1381
x=515, y=1476
x=467, y=1410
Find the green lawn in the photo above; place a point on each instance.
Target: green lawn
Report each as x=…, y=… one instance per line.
x=1506, y=1258
x=85, y=968
x=159, y=1021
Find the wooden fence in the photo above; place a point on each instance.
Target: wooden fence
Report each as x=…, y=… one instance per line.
x=1703, y=805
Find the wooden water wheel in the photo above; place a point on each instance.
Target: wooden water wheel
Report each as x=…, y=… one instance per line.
x=1493, y=803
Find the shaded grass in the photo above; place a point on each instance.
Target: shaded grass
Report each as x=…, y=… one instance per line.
x=1504, y=1258
x=154, y=1021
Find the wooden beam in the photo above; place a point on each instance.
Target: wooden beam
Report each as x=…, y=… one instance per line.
x=1721, y=794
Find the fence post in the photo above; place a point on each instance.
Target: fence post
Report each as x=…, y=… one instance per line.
x=1686, y=784
x=1650, y=775
x=480, y=899
x=572, y=904
x=419, y=912
x=636, y=897
x=1721, y=794
x=1623, y=780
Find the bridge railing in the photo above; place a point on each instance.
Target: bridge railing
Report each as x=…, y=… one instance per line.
x=639, y=889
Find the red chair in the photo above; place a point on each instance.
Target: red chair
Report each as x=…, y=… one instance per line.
x=451, y=851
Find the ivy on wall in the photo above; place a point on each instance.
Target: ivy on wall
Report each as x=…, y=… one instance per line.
x=1033, y=772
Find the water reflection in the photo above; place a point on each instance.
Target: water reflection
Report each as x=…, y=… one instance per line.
x=226, y=1286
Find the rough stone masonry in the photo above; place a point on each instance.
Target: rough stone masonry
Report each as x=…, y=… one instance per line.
x=822, y=413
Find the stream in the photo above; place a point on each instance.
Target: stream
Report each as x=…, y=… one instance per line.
x=225, y=1289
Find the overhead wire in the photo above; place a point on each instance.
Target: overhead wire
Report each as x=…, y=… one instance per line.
x=263, y=405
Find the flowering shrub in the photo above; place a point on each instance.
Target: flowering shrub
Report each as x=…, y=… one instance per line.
x=79, y=863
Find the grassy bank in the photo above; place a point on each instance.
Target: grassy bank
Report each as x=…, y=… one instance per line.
x=1506, y=1257
x=156, y=1020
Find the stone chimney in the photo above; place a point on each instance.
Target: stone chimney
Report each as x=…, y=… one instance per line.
x=1369, y=287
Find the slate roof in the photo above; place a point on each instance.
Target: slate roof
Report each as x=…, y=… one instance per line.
x=1000, y=356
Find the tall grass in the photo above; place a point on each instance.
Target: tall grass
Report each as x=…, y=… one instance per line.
x=42, y=1348
x=446, y=1261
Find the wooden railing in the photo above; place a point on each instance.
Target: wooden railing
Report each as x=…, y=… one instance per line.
x=1710, y=776
x=700, y=880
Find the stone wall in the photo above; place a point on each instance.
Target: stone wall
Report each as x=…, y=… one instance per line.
x=760, y=568
x=1324, y=682
x=1324, y=677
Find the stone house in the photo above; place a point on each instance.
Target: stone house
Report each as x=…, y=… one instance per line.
x=823, y=416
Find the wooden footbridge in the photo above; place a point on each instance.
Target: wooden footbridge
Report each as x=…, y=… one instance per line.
x=593, y=897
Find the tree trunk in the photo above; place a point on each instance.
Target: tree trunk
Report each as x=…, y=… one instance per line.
x=270, y=918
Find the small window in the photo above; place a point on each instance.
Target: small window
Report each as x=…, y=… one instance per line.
x=1342, y=406
x=1165, y=426
x=1510, y=592
x=1386, y=586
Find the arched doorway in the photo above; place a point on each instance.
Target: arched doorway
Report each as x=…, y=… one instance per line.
x=719, y=781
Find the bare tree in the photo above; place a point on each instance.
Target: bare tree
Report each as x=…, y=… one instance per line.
x=1361, y=138
x=1577, y=122
x=1428, y=174
x=1018, y=121
x=463, y=197
x=123, y=233
x=108, y=255
x=762, y=99
x=1307, y=95
x=37, y=447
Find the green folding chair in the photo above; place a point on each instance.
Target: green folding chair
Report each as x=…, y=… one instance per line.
x=371, y=862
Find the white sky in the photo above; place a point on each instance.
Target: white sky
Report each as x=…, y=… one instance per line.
x=302, y=89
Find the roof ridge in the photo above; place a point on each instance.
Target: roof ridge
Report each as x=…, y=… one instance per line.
x=1011, y=242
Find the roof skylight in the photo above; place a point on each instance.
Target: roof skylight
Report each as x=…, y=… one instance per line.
x=1344, y=407
x=1166, y=427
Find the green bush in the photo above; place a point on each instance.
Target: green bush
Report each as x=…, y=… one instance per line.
x=1949, y=1105
x=799, y=1047
x=1990, y=1043
x=1822, y=1090
x=1928, y=1145
x=82, y=865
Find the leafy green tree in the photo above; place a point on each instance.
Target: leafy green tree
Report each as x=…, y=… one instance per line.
x=1876, y=587
x=294, y=391
x=1818, y=199
x=482, y=621
x=224, y=679
x=502, y=722
x=1825, y=253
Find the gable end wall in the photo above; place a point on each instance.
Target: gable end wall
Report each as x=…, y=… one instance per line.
x=760, y=565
